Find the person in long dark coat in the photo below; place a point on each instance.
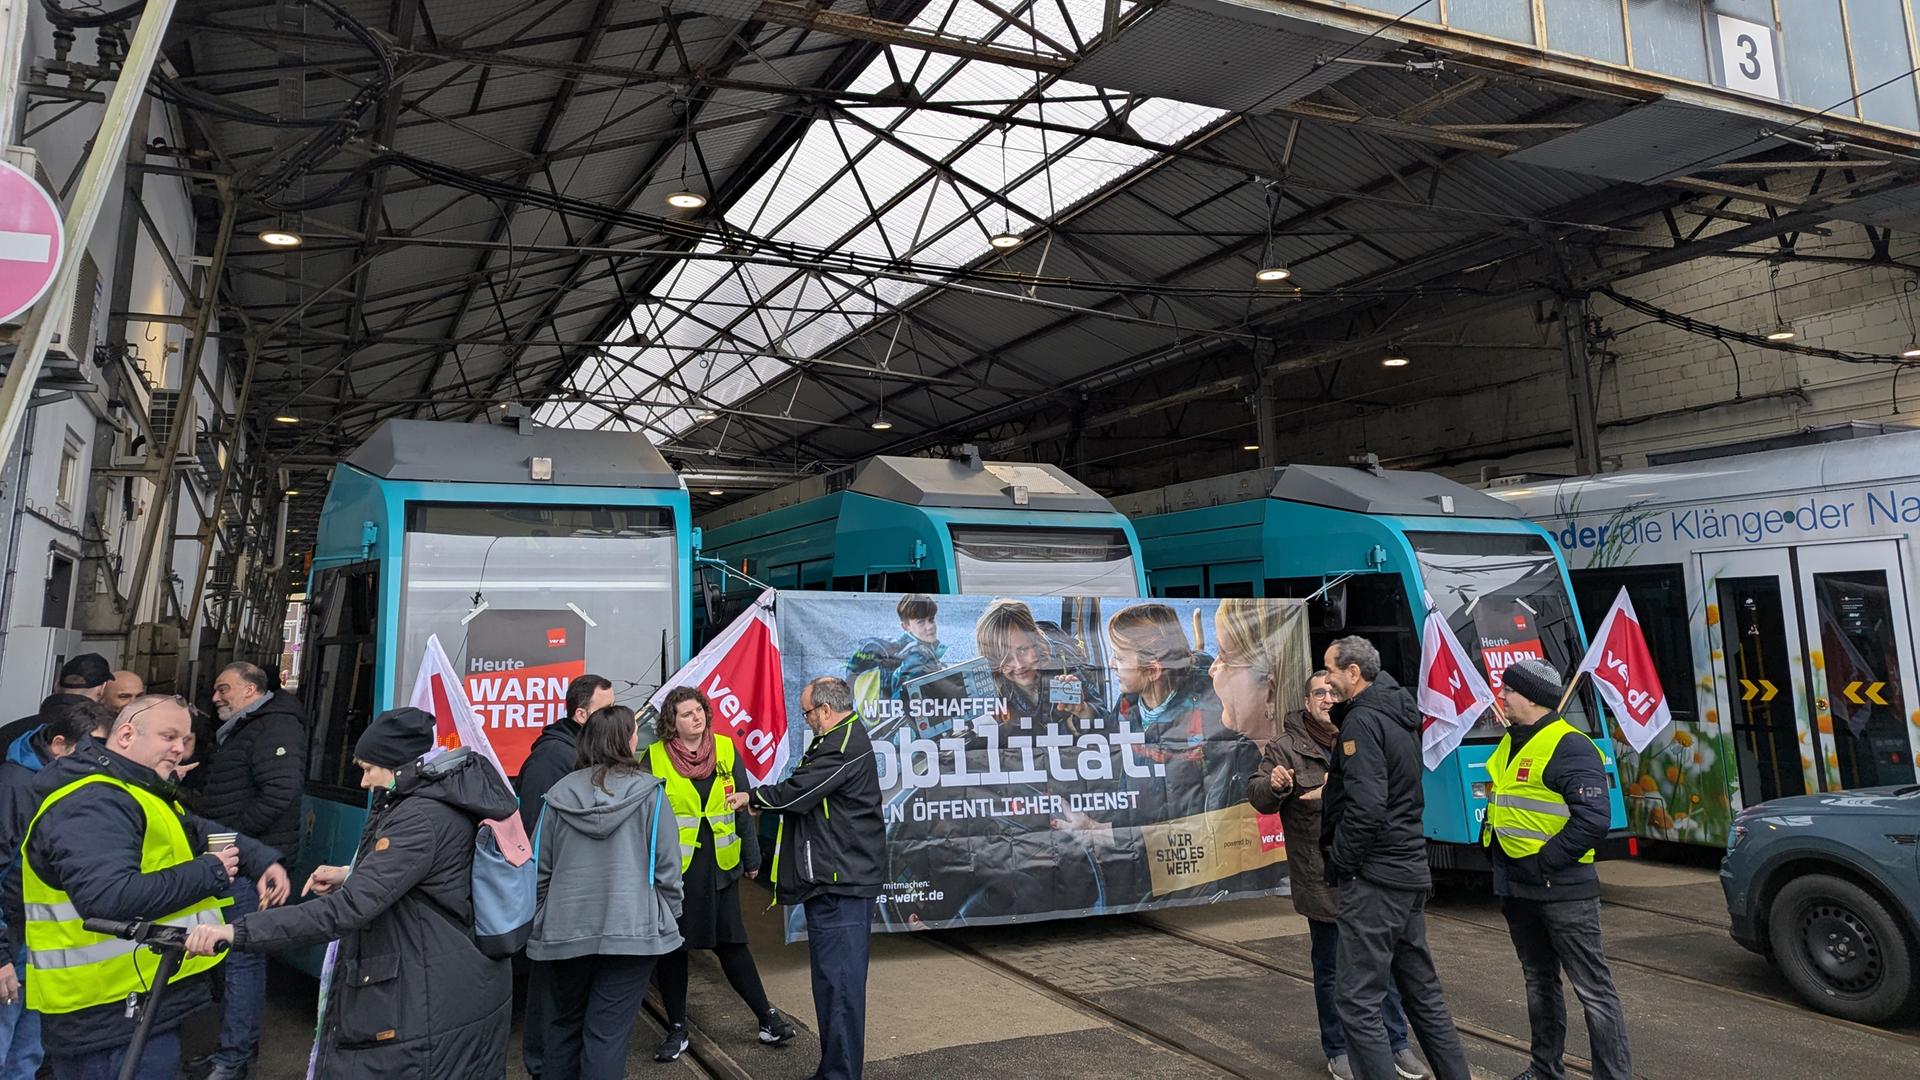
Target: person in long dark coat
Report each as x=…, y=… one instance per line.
x=411, y=994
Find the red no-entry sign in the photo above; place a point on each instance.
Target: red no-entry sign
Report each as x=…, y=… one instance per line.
x=30, y=241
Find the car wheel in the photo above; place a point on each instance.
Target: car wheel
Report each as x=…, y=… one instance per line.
x=1841, y=949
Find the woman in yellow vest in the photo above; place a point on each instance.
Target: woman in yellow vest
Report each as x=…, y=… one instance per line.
x=717, y=846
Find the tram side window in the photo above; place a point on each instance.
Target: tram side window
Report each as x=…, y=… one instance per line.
x=1659, y=596
x=1374, y=606
x=337, y=676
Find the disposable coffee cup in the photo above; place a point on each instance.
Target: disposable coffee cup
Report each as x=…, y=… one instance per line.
x=221, y=841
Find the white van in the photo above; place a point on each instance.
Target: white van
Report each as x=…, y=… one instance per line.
x=1777, y=591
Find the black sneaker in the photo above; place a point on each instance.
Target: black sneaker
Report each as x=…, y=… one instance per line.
x=673, y=1045
x=774, y=1029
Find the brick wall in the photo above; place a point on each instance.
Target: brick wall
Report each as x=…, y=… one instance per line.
x=1657, y=387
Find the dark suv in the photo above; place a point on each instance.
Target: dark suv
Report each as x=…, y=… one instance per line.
x=1828, y=888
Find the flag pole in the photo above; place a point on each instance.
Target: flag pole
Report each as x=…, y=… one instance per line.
x=1561, y=709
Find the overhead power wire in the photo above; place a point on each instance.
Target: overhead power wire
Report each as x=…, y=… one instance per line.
x=1725, y=333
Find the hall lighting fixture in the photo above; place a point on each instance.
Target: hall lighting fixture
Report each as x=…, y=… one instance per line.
x=1396, y=357
x=286, y=418
x=1911, y=352
x=881, y=423
x=686, y=200
x=1272, y=275
x=1250, y=446
x=707, y=414
x=716, y=491
x=1001, y=241
x=292, y=492
x=281, y=237
x=1782, y=331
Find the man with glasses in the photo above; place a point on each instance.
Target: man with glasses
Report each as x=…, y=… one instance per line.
x=830, y=856
x=1290, y=782
x=110, y=842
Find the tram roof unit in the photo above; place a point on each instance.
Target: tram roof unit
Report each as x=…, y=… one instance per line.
x=438, y=451
x=1363, y=488
x=946, y=483
x=1815, y=466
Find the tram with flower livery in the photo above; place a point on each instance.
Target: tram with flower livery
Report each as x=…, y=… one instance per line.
x=1373, y=550
x=1778, y=588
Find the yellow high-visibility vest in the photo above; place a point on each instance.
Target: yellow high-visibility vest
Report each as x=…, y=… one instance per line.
x=1523, y=813
x=686, y=804
x=69, y=967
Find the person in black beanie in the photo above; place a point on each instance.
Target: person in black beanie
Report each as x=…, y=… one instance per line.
x=411, y=994
x=1548, y=809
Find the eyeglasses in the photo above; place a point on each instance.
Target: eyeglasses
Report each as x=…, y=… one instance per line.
x=1325, y=692
x=804, y=713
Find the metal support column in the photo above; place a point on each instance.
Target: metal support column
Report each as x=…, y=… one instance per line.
x=13, y=63
x=165, y=481
x=210, y=526
x=1585, y=419
x=1266, y=416
x=96, y=178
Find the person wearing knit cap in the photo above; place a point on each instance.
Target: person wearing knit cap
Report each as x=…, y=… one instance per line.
x=1548, y=808
x=412, y=994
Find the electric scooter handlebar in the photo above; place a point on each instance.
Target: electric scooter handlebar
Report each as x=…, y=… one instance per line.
x=151, y=934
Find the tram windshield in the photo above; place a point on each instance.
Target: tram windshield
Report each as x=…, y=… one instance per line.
x=525, y=598
x=1010, y=561
x=1504, y=597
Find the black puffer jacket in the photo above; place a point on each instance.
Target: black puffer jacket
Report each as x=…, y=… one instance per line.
x=833, y=841
x=1371, y=827
x=88, y=845
x=412, y=996
x=255, y=774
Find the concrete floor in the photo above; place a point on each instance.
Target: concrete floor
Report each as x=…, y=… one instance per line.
x=1210, y=991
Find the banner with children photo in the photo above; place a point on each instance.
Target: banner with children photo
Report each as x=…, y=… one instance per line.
x=1049, y=757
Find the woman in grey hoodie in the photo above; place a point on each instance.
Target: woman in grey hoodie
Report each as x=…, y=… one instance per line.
x=609, y=897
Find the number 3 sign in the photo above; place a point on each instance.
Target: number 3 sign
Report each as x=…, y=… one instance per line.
x=1745, y=56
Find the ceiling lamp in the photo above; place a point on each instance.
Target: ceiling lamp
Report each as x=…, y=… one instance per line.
x=880, y=421
x=1782, y=331
x=1911, y=352
x=1272, y=275
x=292, y=492
x=1003, y=240
x=1396, y=357
x=706, y=414
x=716, y=491
x=686, y=200
x=1250, y=446
x=286, y=418
x=281, y=237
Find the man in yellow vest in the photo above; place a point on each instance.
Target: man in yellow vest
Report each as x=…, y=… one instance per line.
x=109, y=841
x=1547, y=809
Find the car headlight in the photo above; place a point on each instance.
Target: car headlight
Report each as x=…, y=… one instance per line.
x=1735, y=835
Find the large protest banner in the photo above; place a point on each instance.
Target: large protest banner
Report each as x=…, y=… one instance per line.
x=1048, y=757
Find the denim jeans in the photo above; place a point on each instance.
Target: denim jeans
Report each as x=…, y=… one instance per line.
x=1383, y=942
x=1564, y=936
x=160, y=1061
x=20, y=1049
x=246, y=987
x=837, y=946
x=1325, y=937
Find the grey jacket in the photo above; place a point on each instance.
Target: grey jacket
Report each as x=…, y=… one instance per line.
x=594, y=898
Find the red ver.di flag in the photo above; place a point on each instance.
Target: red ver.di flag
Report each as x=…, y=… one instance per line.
x=1622, y=669
x=1452, y=693
x=739, y=671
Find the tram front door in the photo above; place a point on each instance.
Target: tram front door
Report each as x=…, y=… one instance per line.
x=1814, y=665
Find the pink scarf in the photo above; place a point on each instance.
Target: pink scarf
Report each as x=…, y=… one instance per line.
x=694, y=764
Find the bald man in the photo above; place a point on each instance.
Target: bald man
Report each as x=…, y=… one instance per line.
x=122, y=689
